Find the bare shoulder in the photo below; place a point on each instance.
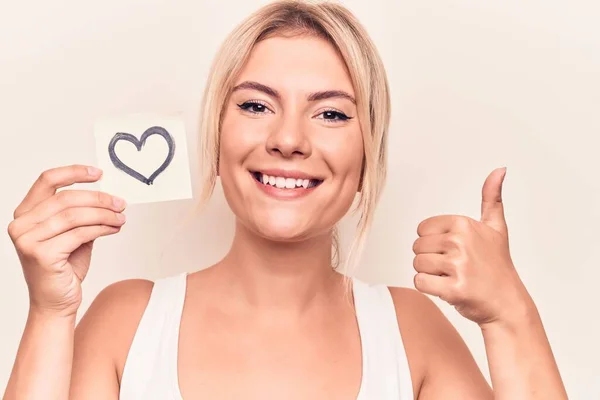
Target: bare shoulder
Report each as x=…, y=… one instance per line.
x=441, y=364
x=104, y=335
x=117, y=309
x=409, y=304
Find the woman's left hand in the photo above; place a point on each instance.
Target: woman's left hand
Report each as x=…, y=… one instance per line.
x=467, y=263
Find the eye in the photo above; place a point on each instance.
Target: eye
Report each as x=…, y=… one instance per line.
x=334, y=116
x=253, y=107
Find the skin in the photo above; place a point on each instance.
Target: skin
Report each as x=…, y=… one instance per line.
x=261, y=317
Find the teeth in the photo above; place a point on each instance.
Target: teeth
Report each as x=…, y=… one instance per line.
x=287, y=183
x=280, y=182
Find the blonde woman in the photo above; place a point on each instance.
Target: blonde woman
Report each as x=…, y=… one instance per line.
x=295, y=119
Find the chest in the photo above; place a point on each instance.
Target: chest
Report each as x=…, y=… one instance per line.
x=227, y=360
x=208, y=352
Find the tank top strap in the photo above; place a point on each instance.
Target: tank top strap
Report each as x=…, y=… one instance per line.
x=386, y=374
x=152, y=358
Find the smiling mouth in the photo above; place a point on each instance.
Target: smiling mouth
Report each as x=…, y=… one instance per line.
x=281, y=182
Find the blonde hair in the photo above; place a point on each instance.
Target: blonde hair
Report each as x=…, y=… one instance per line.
x=339, y=26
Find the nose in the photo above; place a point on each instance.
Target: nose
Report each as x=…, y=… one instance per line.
x=289, y=140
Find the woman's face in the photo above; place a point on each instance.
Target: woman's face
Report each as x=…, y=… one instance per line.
x=291, y=145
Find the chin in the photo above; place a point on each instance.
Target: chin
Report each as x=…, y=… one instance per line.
x=280, y=228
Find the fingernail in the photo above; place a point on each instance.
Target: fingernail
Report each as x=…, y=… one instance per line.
x=93, y=171
x=121, y=217
x=119, y=202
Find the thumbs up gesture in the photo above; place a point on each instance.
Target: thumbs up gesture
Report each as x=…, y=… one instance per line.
x=467, y=263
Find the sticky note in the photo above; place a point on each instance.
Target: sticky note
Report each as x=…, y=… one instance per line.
x=144, y=157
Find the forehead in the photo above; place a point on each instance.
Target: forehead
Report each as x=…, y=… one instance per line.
x=299, y=63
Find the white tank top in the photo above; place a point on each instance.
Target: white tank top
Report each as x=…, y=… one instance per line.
x=150, y=370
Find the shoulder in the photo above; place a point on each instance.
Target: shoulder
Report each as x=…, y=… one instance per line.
x=117, y=304
x=440, y=356
x=414, y=312
x=420, y=317
x=115, y=314
x=418, y=312
x=422, y=323
x=131, y=291
x=404, y=296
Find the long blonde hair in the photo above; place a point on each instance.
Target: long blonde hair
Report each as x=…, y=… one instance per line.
x=336, y=24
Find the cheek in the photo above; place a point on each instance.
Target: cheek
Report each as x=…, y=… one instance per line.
x=231, y=154
x=227, y=140
x=238, y=138
x=344, y=154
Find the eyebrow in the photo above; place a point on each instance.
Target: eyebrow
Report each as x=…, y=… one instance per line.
x=315, y=96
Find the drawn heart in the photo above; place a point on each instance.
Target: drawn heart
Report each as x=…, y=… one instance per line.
x=155, y=130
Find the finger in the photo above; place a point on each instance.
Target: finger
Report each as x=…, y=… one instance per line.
x=62, y=201
x=492, y=208
x=50, y=180
x=72, y=218
x=431, y=284
x=436, y=225
x=432, y=264
x=69, y=241
x=437, y=244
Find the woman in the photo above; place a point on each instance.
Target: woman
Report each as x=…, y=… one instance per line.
x=295, y=118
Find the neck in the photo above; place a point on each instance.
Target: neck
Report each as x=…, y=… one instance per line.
x=287, y=276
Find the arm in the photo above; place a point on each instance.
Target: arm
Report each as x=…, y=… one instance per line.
x=41, y=371
x=53, y=235
x=521, y=362
x=449, y=370
x=468, y=264
x=58, y=361
x=103, y=338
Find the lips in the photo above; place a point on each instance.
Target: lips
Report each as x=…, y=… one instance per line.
x=286, y=179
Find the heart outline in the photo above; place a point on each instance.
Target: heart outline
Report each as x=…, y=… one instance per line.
x=154, y=130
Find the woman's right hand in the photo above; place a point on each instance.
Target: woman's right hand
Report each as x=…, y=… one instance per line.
x=53, y=234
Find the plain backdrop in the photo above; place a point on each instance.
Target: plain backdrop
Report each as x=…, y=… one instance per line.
x=475, y=85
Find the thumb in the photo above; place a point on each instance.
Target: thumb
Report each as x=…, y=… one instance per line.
x=492, y=209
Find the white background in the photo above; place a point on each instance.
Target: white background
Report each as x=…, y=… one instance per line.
x=475, y=85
